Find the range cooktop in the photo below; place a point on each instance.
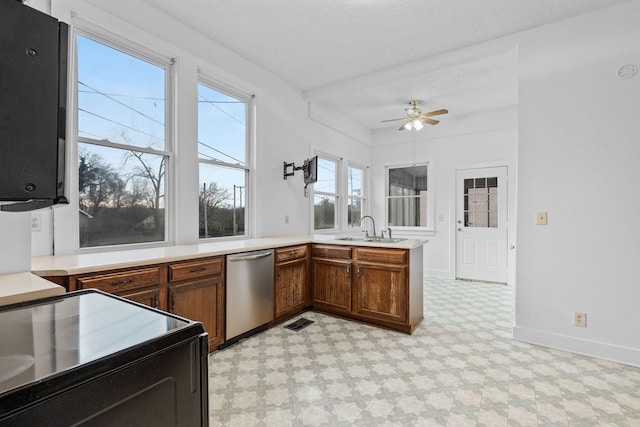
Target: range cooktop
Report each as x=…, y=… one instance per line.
x=42, y=339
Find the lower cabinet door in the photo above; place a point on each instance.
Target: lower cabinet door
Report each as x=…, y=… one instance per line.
x=291, y=292
x=332, y=285
x=380, y=292
x=203, y=301
x=147, y=297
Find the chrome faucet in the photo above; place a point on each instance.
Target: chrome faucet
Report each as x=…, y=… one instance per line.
x=373, y=222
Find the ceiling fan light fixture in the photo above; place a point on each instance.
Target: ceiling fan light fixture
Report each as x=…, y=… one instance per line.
x=416, y=119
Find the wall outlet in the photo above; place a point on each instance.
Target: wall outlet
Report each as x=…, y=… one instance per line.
x=580, y=319
x=286, y=219
x=36, y=222
x=541, y=218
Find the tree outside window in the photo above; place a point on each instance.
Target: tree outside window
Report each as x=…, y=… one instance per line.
x=222, y=152
x=325, y=196
x=122, y=154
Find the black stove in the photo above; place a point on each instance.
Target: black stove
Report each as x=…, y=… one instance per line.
x=90, y=358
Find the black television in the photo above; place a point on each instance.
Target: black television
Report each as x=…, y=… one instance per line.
x=310, y=170
x=33, y=103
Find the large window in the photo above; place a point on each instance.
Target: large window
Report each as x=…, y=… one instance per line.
x=325, y=195
x=123, y=151
x=224, y=174
x=407, y=196
x=355, y=195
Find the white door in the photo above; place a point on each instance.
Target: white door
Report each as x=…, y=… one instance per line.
x=481, y=224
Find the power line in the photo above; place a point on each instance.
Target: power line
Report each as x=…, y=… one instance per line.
x=151, y=98
x=218, y=151
x=121, y=103
x=89, y=134
x=213, y=104
x=119, y=124
x=110, y=96
x=221, y=102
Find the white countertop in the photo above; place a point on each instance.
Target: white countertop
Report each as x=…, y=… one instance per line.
x=19, y=287
x=66, y=265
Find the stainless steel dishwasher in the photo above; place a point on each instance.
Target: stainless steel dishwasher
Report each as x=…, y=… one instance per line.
x=249, y=291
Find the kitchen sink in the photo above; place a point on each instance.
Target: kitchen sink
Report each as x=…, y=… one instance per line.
x=383, y=239
x=371, y=239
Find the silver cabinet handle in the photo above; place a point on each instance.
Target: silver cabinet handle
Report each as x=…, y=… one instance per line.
x=248, y=257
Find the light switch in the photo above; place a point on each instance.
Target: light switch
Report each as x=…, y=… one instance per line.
x=541, y=218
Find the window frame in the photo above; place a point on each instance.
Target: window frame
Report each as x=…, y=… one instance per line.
x=248, y=167
x=338, y=196
x=167, y=63
x=430, y=227
x=363, y=198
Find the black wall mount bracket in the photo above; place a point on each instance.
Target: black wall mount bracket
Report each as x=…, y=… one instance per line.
x=293, y=167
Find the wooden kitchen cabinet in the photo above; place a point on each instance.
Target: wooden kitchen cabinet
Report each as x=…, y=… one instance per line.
x=141, y=285
x=150, y=297
x=331, y=276
x=196, y=291
x=202, y=301
x=374, y=285
x=380, y=288
x=193, y=289
x=291, y=290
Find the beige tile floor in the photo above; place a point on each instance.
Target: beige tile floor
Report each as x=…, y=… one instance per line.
x=459, y=368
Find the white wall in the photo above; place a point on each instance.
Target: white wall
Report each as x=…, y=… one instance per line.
x=578, y=159
x=482, y=139
x=15, y=243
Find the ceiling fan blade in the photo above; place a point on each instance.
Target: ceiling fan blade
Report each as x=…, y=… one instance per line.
x=402, y=127
x=393, y=120
x=429, y=121
x=436, y=113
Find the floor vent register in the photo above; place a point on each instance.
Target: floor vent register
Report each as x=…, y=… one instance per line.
x=299, y=324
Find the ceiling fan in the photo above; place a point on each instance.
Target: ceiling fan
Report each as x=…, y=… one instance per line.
x=415, y=117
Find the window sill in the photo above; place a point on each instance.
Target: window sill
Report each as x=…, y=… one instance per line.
x=412, y=231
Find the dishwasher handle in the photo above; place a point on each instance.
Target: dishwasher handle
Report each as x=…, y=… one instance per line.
x=236, y=258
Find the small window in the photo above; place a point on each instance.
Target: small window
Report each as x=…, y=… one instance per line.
x=325, y=196
x=355, y=195
x=407, y=196
x=481, y=202
x=122, y=146
x=222, y=152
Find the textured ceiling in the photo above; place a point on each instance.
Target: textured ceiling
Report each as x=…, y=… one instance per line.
x=315, y=45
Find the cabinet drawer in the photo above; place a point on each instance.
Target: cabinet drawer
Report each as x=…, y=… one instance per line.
x=117, y=282
x=396, y=256
x=331, y=251
x=193, y=269
x=288, y=254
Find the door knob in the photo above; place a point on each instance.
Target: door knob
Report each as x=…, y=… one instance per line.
x=459, y=229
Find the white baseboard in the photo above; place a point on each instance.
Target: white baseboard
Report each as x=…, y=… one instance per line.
x=442, y=274
x=614, y=353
